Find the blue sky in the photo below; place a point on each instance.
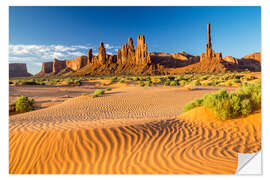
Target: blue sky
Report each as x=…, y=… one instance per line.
x=38, y=34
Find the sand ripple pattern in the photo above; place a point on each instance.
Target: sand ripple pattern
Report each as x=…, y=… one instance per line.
x=59, y=140
x=163, y=147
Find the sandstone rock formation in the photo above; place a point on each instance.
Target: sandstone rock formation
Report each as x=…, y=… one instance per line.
x=176, y=60
x=254, y=56
x=59, y=65
x=101, y=54
x=76, y=64
x=130, y=60
x=251, y=62
x=47, y=67
x=90, y=56
x=18, y=70
x=142, y=57
x=210, y=54
x=230, y=59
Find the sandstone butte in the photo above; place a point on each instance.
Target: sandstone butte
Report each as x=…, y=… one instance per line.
x=137, y=61
x=18, y=70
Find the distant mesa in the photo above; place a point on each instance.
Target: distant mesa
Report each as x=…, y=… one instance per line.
x=136, y=60
x=18, y=70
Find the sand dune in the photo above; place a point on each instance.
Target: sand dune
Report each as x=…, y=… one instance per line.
x=132, y=131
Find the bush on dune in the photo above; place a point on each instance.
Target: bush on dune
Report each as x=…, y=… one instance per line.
x=226, y=106
x=23, y=104
x=98, y=92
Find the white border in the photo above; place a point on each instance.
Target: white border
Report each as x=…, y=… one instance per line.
x=4, y=75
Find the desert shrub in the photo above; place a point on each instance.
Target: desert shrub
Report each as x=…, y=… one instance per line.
x=193, y=104
x=240, y=103
x=228, y=83
x=156, y=80
x=122, y=81
x=10, y=82
x=136, y=78
x=182, y=82
x=141, y=83
x=129, y=78
x=147, y=83
x=167, y=83
x=174, y=83
x=28, y=82
x=23, y=104
x=108, y=89
x=84, y=94
x=207, y=83
x=195, y=83
x=98, y=92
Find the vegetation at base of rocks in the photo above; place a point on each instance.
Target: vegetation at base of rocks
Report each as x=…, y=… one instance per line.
x=141, y=83
x=244, y=101
x=108, y=89
x=98, y=92
x=24, y=104
x=228, y=79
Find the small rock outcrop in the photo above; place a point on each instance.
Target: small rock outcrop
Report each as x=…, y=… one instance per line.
x=230, y=59
x=18, y=70
x=251, y=62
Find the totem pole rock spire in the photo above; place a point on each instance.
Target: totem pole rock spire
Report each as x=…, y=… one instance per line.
x=209, y=52
x=209, y=45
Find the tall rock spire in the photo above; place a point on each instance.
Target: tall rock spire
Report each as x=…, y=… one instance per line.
x=209, y=45
x=101, y=54
x=209, y=52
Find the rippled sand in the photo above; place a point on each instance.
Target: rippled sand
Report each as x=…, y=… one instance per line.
x=130, y=130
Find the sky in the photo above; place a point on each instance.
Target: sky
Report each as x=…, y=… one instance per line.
x=39, y=34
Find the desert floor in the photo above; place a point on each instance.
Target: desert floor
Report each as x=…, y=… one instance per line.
x=128, y=130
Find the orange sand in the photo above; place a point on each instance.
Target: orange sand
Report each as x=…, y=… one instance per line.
x=112, y=135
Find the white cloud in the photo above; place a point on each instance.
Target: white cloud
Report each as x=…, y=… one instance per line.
x=21, y=52
x=108, y=46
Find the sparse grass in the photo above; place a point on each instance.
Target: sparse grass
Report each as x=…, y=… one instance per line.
x=24, y=104
x=174, y=83
x=147, y=83
x=167, y=83
x=98, y=92
x=141, y=83
x=122, y=81
x=226, y=106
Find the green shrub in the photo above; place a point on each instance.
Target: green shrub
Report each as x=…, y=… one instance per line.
x=10, y=82
x=23, y=104
x=240, y=103
x=122, y=81
x=84, y=94
x=156, y=80
x=174, y=83
x=108, y=89
x=141, y=83
x=195, y=83
x=98, y=92
x=167, y=83
x=136, y=79
x=28, y=82
x=193, y=104
x=147, y=83
x=182, y=82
